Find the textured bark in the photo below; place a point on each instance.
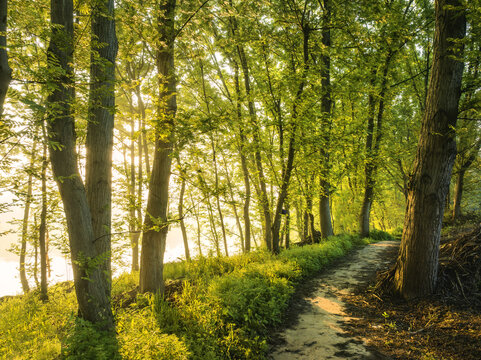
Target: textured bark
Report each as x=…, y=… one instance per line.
x=155, y=223
x=417, y=263
x=90, y=286
x=326, y=111
x=100, y=126
x=5, y=71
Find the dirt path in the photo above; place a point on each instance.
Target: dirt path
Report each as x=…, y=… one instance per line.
x=318, y=332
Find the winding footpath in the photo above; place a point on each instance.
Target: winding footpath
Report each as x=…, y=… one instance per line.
x=318, y=333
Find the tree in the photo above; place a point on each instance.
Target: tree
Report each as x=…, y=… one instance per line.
x=155, y=223
x=417, y=262
x=99, y=142
x=5, y=70
x=91, y=284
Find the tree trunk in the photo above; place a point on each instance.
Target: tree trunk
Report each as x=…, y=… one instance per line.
x=276, y=225
x=458, y=194
x=89, y=279
x=42, y=232
x=26, y=213
x=155, y=223
x=263, y=199
x=133, y=204
x=197, y=220
x=180, y=209
x=100, y=129
x=326, y=113
x=245, y=169
x=417, y=263
x=5, y=70
x=372, y=150
x=234, y=206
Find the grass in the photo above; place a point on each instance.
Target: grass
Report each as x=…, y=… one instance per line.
x=224, y=310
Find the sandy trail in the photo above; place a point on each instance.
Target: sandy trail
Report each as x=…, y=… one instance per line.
x=318, y=333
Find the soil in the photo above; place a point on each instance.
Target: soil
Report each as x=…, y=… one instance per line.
x=445, y=326
x=317, y=321
x=338, y=315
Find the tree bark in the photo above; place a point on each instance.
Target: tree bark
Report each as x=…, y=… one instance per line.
x=417, y=264
x=100, y=128
x=90, y=286
x=5, y=70
x=155, y=223
x=326, y=113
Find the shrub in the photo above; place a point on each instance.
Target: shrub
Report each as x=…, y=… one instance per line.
x=87, y=342
x=140, y=338
x=379, y=235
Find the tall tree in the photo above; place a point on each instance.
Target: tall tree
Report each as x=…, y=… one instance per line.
x=417, y=263
x=326, y=114
x=42, y=231
x=5, y=70
x=100, y=127
x=90, y=282
x=155, y=222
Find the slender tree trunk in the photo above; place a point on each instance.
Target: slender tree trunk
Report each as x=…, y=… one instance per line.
x=326, y=113
x=90, y=286
x=197, y=220
x=143, y=133
x=155, y=224
x=243, y=158
x=35, y=245
x=214, y=160
x=133, y=205
x=26, y=213
x=180, y=209
x=217, y=198
x=417, y=263
x=5, y=70
x=458, y=194
x=263, y=199
x=372, y=151
x=42, y=233
x=234, y=206
x=276, y=225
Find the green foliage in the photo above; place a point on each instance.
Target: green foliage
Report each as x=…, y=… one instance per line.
x=379, y=235
x=252, y=300
x=32, y=329
x=224, y=310
x=86, y=342
x=140, y=337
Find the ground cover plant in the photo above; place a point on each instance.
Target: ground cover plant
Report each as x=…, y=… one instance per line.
x=222, y=308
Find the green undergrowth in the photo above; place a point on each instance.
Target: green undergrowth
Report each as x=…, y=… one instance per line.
x=224, y=309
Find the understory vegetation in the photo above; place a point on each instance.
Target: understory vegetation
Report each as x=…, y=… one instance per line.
x=213, y=308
